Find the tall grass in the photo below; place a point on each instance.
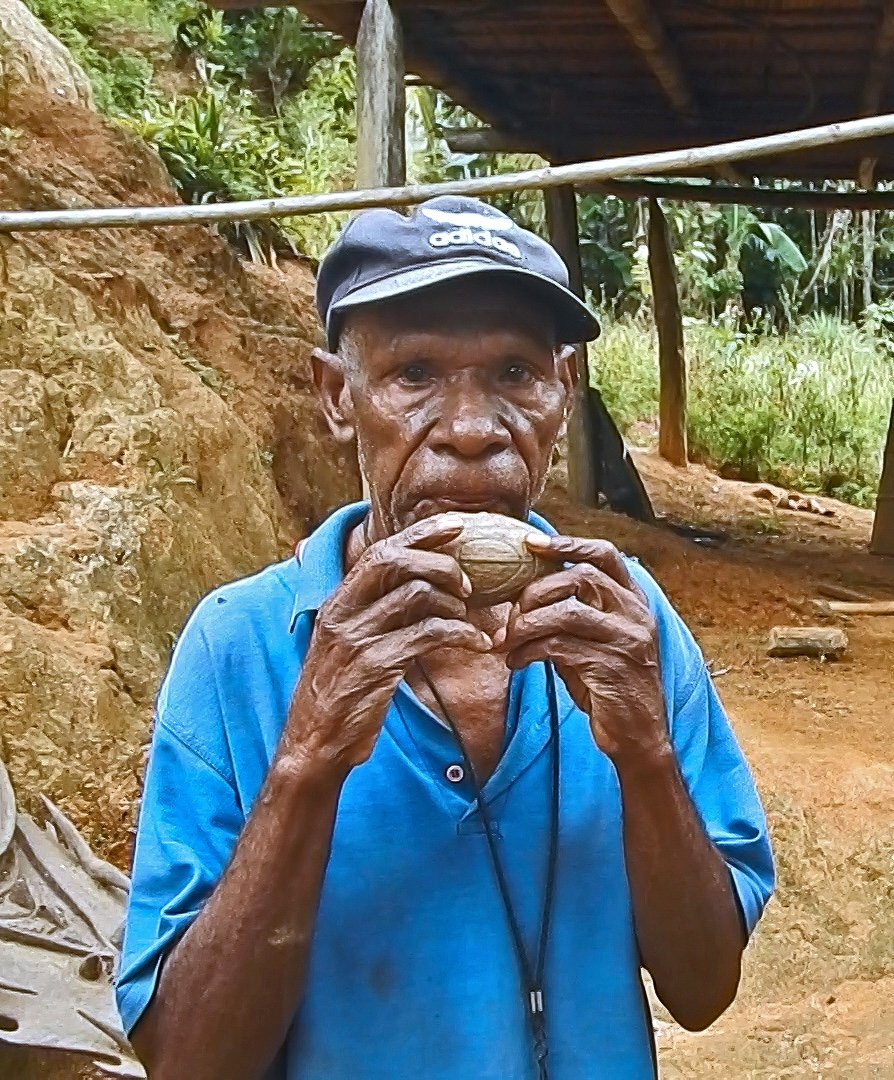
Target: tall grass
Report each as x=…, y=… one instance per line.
x=807, y=408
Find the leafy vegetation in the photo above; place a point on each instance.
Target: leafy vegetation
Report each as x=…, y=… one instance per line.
x=790, y=319
x=239, y=105
x=806, y=408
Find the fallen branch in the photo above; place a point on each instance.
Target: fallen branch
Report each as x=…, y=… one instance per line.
x=700, y=159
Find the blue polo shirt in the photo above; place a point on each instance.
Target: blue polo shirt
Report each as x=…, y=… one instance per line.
x=412, y=972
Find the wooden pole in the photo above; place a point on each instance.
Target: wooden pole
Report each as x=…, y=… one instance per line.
x=867, y=222
x=381, y=99
x=381, y=108
x=882, y=542
x=877, y=79
x=583, y=454
x=727, y=195
x=669, y=323
x=695, y=160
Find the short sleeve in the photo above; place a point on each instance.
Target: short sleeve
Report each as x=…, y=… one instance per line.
x=711, y=761
x=724, y=794
x=189, y=822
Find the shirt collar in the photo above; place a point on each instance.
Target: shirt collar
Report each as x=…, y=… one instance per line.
x=321, y=558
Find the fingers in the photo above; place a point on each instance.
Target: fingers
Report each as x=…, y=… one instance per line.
x=567, y=616
x=409, y=603
x=429, y=532
x=400, y=647
x=584, y=581
x=576, y=629
x=386, y=566
x=579, y=655
x=575, y=549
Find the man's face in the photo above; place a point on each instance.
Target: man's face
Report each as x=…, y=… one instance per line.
x=456, y=397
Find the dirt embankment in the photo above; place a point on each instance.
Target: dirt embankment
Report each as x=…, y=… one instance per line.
x=157, y=436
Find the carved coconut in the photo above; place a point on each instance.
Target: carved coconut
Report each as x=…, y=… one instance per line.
x=492, y=551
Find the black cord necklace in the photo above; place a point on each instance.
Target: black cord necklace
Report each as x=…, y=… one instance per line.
x=532, y=974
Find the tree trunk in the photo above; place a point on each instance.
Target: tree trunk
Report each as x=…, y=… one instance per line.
x=669, y=323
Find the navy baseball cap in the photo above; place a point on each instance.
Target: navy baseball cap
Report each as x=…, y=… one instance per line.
x=382, y=254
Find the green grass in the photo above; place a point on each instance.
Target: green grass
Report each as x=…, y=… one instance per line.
x=808, y=408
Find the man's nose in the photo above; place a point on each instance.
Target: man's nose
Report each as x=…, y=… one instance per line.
x=470, y=424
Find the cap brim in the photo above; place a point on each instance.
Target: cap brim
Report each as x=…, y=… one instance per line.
x=574, y=320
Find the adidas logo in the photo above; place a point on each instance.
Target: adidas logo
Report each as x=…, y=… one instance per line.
x=482, y=237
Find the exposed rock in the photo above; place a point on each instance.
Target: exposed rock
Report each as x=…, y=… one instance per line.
x=31, y=57
x=158, y=436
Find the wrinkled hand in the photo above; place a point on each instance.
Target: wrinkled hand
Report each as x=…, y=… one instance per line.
x=400, y=601
x=594, y=623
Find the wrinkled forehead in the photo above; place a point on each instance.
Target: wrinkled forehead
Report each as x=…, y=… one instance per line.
x=456, y=309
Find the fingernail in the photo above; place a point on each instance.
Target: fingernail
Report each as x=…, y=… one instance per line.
x=467, y=585
x=538, y=539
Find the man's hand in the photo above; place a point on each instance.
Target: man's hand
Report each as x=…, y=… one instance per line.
x=593, y=622
x=400, y=601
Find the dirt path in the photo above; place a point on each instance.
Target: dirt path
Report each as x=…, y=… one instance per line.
x=816, y=999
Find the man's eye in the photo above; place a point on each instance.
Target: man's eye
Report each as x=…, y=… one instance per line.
x=516, y=373
x=415, y=373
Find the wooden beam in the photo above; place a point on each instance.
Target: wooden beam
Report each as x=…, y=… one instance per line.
x=669, y=323
x=381, y=100
x=482, y=140
x=726, y=194
x=583, y=454
x=695, y=159
x=882, y=542
x=647, y=33
x=879, y=70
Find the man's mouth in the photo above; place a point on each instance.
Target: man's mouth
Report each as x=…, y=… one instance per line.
x=496, y=502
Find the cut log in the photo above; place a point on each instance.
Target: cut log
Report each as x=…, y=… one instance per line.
x=826, y=642
x=854, y=607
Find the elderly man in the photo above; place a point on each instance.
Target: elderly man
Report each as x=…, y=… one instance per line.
x=389, y=834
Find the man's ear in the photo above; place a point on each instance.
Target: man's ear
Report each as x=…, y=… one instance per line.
x=566, y=362
x=334, y=393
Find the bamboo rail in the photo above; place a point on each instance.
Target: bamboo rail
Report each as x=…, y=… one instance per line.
x=588, y=172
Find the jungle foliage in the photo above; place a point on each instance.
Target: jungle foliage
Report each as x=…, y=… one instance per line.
x=790, y=314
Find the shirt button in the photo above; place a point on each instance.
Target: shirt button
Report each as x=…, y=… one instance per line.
x=455, y=773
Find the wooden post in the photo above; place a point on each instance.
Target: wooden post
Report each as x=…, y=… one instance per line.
x=561, y=220
x=669, y=322
x=882, y=542
x=381, y=107
x=381, y=100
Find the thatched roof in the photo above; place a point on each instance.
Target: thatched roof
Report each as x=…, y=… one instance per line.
x=579, y=79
